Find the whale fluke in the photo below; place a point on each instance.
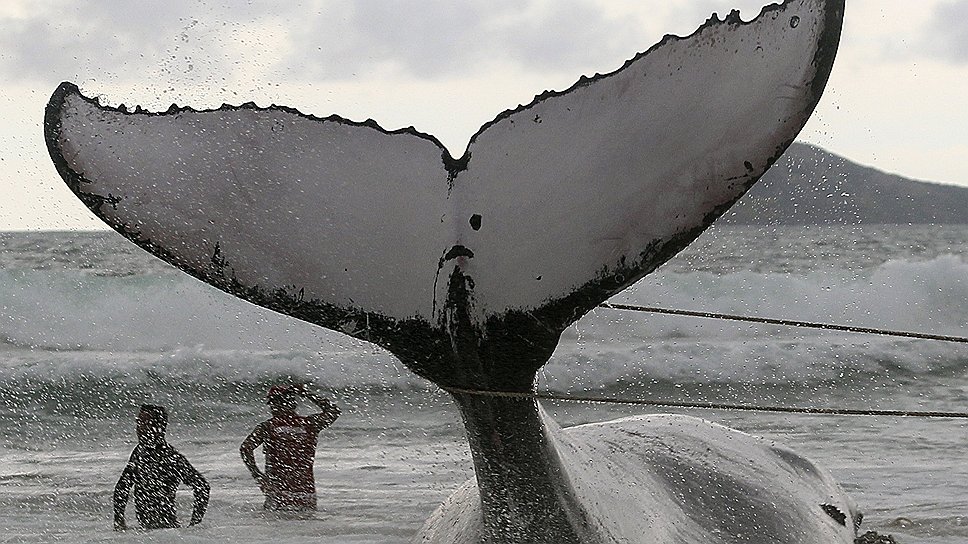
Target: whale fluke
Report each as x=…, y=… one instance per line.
x=468, y=269
x=554, y=206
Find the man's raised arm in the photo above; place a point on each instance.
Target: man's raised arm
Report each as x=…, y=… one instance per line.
x=328, y=411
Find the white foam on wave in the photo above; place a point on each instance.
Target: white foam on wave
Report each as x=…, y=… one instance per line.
x=66, y=324
x=335, y=369
x=898, y=294
x=612, y=345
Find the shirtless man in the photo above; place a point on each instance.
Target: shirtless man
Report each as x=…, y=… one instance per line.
x=288, y=441
x=155, y=469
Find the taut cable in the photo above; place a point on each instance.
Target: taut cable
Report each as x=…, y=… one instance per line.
x=743, y=407
x=786, y=322
x=713, y=405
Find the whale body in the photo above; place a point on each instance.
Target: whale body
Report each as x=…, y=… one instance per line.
x=672, y=478
x=468, y=269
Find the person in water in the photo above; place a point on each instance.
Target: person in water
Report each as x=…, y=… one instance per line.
x=155, y=469
x=288, y=441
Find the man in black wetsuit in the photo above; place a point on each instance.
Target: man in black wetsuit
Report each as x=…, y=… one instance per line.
x=155, y=469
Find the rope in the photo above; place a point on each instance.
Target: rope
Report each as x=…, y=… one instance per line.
x=713, y=405
x=787, y=322
x=743, y=407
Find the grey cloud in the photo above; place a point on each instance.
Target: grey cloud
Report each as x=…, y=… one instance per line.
x=947, y=34
x=327, y=39
x=572, y=35
x=701, y=10
x=437, y=37
x=425, y=38
x=35, y=48
x=121, y=40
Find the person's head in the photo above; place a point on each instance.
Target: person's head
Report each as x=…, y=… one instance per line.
x=152, y=423
x=281, y=399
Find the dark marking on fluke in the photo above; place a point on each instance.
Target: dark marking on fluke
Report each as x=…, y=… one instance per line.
x=457, y=251
x=835, y=513
x=454, y=166
x=476, y=221
x=872, y=537
x=218, y=260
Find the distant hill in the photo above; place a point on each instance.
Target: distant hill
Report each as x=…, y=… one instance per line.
x=809, y=185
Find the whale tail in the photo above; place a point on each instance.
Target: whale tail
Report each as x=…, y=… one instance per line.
x=452, y=264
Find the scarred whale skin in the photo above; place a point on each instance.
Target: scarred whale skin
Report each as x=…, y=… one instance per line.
x=468, y=269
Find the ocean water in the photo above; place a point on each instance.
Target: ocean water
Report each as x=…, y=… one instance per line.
x=91, y=327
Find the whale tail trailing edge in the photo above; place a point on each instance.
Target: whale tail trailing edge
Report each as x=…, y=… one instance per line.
x=383, y=235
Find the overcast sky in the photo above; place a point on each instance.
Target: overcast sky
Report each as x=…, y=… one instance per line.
x=897, y=99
